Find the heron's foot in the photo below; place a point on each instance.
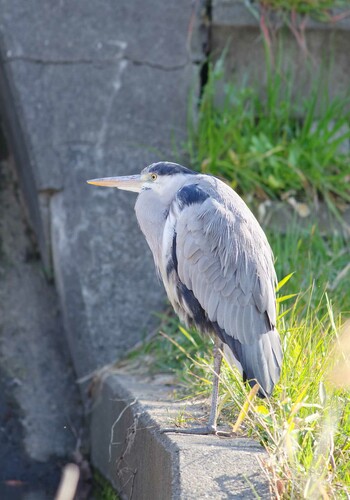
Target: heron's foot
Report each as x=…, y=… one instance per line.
x=199, y=431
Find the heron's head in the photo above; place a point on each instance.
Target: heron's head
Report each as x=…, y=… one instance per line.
x=163, y=178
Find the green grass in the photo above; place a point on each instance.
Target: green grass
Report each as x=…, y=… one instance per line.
x=317, y=262
x=102, y=489
x=305, y=426
x=262, y=147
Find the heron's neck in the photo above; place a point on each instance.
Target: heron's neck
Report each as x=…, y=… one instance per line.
x=151, y=214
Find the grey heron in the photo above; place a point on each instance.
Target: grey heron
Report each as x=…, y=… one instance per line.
x=216, y=265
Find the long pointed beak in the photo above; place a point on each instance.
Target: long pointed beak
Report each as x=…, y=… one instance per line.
x=127, y=182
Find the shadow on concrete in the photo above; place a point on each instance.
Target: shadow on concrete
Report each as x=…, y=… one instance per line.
x=21, y=477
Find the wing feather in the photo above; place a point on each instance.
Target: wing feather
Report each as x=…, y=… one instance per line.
x=190, y=248
x=219, y=283
x=213, y=303
x=208, y=290
x=244, y=299
x=204, y=264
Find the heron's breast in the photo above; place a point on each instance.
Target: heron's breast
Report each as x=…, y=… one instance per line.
x=151, y=217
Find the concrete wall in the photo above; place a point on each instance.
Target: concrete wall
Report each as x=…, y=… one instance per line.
x=94, y=89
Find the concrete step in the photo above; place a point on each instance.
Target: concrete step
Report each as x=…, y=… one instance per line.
x=127, y=446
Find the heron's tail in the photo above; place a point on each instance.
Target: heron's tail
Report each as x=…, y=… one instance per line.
x=258, y=362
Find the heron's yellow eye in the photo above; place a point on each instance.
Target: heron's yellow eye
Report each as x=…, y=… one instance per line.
x=154, y=177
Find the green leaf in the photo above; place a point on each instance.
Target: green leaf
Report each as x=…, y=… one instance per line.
x=285, y=297
x=284, y=281
x=188, y=336
x=262, y=410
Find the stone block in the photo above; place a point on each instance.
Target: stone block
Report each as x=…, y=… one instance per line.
x=95, y=88
x=242, y=13
x=142, y=463
x=235, y=30
x=97, y=31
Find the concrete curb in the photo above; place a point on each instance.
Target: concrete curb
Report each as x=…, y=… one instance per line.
x=141, y=463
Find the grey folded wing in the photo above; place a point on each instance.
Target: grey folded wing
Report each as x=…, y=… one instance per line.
x=224, y=258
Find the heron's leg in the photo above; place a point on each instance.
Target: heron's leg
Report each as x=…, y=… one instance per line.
x=216, y=378
x=210, y=428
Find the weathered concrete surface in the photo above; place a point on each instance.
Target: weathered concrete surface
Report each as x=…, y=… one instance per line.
x=93, y=89
x=236, y=28
x=41, y=414
x=144, y=464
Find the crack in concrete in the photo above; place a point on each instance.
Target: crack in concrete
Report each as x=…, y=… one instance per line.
x=49, y=191
x=126, y=470
x=151, y=64
x=207, y=46
x=87, y=61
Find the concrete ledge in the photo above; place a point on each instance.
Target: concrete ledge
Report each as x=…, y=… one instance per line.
x=141, y=463
x=239, y=13
x=235, y=31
